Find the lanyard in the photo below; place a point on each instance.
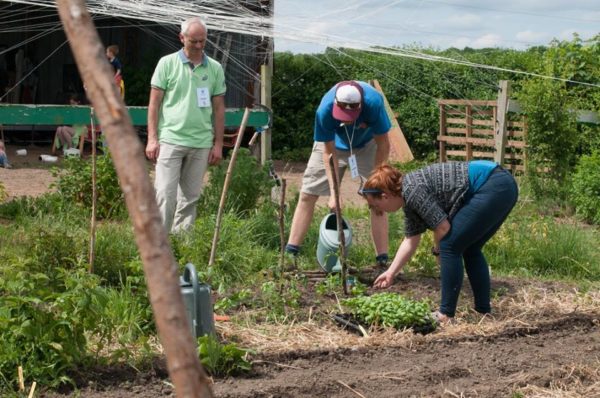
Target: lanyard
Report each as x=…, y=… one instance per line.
x=350, y=138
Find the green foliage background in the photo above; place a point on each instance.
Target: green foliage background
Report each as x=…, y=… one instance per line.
x=412, y=86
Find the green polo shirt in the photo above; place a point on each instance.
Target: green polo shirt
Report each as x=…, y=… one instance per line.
x=185, y=115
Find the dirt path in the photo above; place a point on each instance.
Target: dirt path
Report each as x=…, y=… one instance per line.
x=31, y=177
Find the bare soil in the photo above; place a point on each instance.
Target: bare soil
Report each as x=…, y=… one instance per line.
x=545, y=350
x=544, y=338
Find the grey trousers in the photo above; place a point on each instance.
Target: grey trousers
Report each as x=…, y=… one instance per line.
x=178, y=184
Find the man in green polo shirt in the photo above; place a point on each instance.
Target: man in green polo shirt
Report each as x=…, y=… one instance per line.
x=186, y=117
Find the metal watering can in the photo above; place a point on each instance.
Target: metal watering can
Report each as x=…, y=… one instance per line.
x=329, y=242
x=198, y=305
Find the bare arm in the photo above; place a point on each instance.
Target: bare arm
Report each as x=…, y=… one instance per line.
x=154, y=104
x=403, y=255
x=383, y=148
x=329, y=149
x=216, y=153
x=439, y=232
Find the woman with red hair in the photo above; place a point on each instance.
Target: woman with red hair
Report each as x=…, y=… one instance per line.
x=463, y=203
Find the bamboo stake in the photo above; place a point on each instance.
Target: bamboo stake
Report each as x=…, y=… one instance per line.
x=160, y=268
x=21, y=379
x=236, y=148
x=340, y=226
x=282, y=227
x=94, y=196
x=32, y=390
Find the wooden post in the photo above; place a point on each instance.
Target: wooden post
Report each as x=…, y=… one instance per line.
x=94, y=195
x=442, y=143
x=281, y=216
x=469, y=134
x=501, y=122
x=266, y=74
x=160, y=268
x=340, y=223
x=234, y=153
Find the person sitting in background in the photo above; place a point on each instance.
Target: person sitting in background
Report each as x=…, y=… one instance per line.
x=3, y=157
x=68, y=136
x=464, y=203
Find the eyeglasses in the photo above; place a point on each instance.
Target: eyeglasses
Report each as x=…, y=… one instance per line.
x=364, y=191
x=347, y=105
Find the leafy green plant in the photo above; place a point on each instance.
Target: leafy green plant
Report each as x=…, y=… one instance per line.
x=43, y=327
x=74, y=185
x=234, y=301
x=551, y=136
x=280, y=298
x=222, y=359
x=586, y=188
x=3, y=194
x=249, y=182
x=390, y=310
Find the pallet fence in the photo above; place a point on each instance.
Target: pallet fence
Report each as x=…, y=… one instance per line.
x=469, y=130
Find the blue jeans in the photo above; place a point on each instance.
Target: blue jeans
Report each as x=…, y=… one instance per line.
x=472, y=226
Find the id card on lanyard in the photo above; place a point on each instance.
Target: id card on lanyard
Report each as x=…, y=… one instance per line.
x=352, y=158
x=203, y=97
x=353, y=166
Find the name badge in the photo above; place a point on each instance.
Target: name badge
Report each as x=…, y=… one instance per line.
x=203, y=97
x=353, y=166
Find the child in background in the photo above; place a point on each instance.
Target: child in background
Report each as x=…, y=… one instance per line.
x=111, y=53
x=3, y=158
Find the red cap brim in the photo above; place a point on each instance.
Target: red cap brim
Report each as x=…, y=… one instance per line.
x=345, y=115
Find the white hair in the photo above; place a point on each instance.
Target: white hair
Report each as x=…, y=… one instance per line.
x=185, y=25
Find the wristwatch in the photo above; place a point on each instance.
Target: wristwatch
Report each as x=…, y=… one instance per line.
x=434, y=251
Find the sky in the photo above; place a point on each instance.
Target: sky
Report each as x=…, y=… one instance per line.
x=309, y=26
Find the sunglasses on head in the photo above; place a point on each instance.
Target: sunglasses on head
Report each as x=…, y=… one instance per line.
x=347, y=105
x=365, y=191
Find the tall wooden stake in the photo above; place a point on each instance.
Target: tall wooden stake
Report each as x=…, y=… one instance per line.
x=340, y=223
x=282, y=226
x=94, y=195
x=236, y=148
x=160, y=268
x=501, y=122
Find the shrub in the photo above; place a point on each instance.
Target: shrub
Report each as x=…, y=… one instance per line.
x=551, y=136
x=42, y=327
x=248, y=183
x=75, y=185
x=586, y=188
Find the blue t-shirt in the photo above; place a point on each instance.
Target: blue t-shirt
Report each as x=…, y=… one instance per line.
x=373, y=120
x=479, y=171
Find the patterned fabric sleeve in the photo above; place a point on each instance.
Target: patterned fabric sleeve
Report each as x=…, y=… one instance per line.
x=422, y=211
x=433, y=194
